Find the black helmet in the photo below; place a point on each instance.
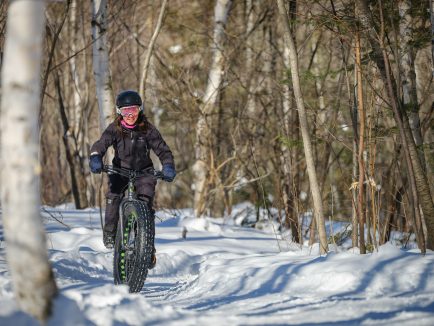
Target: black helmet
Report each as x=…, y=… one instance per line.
x=128, y=98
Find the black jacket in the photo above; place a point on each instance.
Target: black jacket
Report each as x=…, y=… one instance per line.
x=132, y=147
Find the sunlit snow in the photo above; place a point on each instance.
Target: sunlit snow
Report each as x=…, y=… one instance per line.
x=226, y=274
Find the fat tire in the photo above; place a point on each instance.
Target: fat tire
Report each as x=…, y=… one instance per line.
x=142, y=230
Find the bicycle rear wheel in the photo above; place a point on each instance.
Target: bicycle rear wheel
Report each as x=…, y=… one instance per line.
x=133, y=257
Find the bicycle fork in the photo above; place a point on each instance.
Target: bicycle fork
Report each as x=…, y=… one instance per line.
x=131, y=192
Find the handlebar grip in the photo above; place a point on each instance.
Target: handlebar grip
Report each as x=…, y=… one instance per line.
x=158, y=174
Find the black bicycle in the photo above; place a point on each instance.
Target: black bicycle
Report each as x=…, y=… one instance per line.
x=134, y=242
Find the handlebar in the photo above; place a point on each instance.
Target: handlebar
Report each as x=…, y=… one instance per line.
x=132, y=174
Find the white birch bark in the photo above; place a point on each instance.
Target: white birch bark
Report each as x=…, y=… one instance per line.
x=250, y=43
x=287, y=107
x=101, y=64
x=77, y=114
x=76, y=78
x=407, y=73
x=361, y=198
x=156, y=110
x=27, y=256
x=313, y=180
x=215, y=75
x=322, y=114
x=286, y=157
x=408, y=83
x=289, y=155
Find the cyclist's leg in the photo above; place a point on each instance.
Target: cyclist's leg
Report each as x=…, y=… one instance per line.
x=145, y=188
x=117, y=185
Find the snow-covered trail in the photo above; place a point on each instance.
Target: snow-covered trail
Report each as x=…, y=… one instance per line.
x=230, y=275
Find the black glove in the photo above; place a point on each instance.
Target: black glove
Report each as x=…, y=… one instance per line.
x=169, y=172
x=95, y=163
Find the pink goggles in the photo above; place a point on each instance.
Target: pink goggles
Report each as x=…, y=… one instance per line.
x=130, y=111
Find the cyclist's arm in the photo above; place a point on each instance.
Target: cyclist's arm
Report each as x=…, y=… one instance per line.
x=107, y=139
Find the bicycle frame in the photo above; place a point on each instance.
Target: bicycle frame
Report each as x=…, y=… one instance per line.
x=134, y=241
x=131, y=193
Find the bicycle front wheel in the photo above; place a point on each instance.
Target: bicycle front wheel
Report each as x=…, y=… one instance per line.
x=133, y=245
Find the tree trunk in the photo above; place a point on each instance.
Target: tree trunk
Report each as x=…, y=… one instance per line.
x=289, y=200
x=101, y=64
x=250, y=65
x=393, y=209
x=32, y=277
x=420, y=192
x=408, y=75
x=142, y=89
x=313, y=180
x=55, y=38
x=361, y=149
x=354, y=216
x=79, y=129
x=353, y=114
x=431, y=10
x=153, y=96
x=78, y=78
x=78, y=182
x=292, y=127
x=203, y=145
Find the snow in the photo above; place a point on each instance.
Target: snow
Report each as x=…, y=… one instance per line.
x=224, y=273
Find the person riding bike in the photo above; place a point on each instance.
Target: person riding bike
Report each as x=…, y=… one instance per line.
x=132, y=137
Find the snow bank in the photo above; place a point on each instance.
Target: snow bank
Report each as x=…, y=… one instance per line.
x=220, y=273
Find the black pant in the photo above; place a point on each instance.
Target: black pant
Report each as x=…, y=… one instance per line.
x=145, y=190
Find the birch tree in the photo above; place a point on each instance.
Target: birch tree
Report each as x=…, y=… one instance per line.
x=407, y=73
x=101, y=64
x=215, y=75
x=291, y=133
x=313, y=180
x=419, y=188
x=78, y=77
x=250, y=62
x=361, y=146
x=78, y=131
x=27, y=257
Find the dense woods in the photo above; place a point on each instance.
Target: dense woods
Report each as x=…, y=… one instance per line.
x=337, y=122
